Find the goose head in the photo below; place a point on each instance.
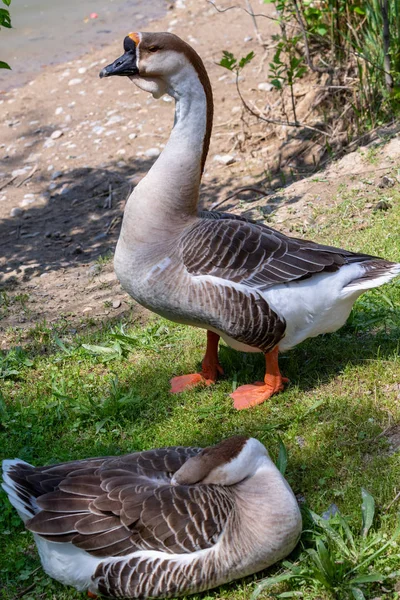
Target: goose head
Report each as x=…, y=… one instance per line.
x=227, y=463
x=156, y=62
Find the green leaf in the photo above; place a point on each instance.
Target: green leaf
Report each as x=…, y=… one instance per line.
x=276, y=83
x=300, y=72
x=331, y=533
x=7, y=2
x=269, y=582
x=277, y=57
x=325, y=559
x=370, y=578
x=246, y=59
x=100, y=424
x=104, y=352
x=228, y=61
x=356, y=9
x=5, y=20
x=294, y=62
x=320, y=573
x=367, y=510
x=282, y=460
x=347, y=531
x=321, y=30
x=357, y=593
x=61, y=344
x=98, y=349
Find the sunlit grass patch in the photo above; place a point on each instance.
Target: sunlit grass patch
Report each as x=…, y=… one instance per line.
x=67, y=395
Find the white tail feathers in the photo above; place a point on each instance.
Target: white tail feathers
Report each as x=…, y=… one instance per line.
x=19, y=497
x=377, y=273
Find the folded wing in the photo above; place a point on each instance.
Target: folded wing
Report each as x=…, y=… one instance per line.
x=115, y=506
x=241, y=251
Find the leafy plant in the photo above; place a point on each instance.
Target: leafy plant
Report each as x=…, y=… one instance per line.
x=340, y=561
x=282, y=460
x=230, y=62
x=13, y=362
x=5, y=21
x=121, y=344
x=286, y=67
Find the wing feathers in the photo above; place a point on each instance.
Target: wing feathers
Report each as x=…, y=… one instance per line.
x=242, y=251
x=51, y=523
x=63, y=502
x=91, y=524
x=110, y=507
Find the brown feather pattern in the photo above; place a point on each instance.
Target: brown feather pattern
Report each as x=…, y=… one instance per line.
x=116, y=506
x=238, y=250
x=155, y=537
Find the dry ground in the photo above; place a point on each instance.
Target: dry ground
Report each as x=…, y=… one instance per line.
x=73, y=146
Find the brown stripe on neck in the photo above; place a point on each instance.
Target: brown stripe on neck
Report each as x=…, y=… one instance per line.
x=170, y=41
x=196, y=61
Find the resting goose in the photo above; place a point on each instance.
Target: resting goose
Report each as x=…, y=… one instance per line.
x=157, y=523
x=258, y=289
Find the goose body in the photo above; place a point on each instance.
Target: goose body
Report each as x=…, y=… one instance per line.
x=258, y=289
x=157, y=523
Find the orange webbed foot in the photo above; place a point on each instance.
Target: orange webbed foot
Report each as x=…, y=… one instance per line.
x=249, y=395
x=186, y=382
x=91, y=595
x=210, y=369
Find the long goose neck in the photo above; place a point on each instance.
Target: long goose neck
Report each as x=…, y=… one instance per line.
x=170, y=191
x=269, y=521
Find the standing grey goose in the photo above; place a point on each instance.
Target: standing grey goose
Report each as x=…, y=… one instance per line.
x=251, y=285
x=157, y=523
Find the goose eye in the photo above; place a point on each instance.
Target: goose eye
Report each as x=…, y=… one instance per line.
x=153, y=48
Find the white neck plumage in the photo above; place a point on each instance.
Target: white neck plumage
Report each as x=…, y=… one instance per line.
x=168, y=195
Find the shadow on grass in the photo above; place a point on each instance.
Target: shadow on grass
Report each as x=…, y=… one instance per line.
x=88, y=408
x=315, y=361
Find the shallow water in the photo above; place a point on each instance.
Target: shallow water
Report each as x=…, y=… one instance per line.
x=53, y=31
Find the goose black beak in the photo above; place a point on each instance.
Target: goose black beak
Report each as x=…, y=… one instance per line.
x=125, y=64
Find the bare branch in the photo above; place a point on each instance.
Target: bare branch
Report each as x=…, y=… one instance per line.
x=253, y=17
x=299, y=14
x=239, y=191
x=288, y=123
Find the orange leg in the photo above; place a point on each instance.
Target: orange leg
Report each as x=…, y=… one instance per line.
x=91, y=595
x=256, y=393
x=210, y=368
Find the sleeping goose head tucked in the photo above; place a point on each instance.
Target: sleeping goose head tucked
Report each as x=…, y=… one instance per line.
x=155, y=62
x=227, y=463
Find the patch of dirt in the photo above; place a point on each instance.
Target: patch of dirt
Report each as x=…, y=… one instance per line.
x=393, y=437
x=73, y=147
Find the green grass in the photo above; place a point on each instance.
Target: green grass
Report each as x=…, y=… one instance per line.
x=64, y=402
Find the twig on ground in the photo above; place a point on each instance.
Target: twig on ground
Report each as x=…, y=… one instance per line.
x=6, y=183
x=239, y=191
x=28, y=177
x=25, y=591
x=397, y=497
x=223, y=124
x=30, y=587
x=113, y=223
